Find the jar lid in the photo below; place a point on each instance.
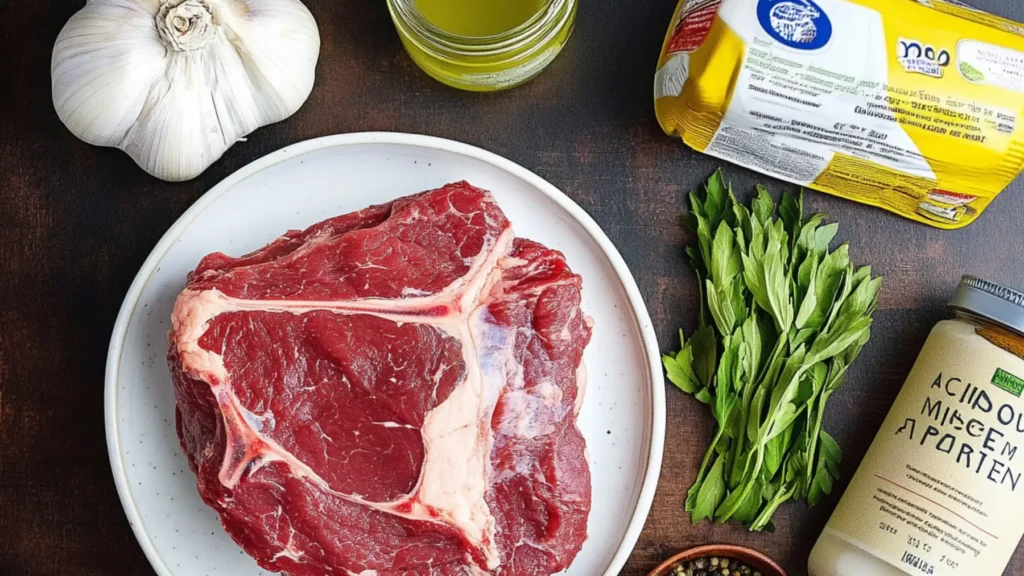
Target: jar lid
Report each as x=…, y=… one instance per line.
x=991, y=301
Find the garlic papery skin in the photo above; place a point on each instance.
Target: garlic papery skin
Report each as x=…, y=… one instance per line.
x=174, y=83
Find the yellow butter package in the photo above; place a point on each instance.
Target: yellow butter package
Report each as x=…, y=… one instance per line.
x=910, y=105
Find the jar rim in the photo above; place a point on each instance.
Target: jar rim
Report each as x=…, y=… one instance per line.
x=994, y=302
x=547, y=22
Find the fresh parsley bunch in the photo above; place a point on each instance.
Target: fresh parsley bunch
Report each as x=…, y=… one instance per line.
x=781, y=320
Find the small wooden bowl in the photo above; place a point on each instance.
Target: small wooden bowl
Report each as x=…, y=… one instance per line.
x=751, y=558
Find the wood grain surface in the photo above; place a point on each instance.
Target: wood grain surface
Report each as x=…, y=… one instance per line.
x=76, y=223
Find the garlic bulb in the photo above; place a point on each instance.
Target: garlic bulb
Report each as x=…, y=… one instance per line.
x=174, y=83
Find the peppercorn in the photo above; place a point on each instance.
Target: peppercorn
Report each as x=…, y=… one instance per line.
x=713, y=566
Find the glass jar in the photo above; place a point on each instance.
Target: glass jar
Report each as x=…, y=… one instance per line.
x=490, y=62
x=941, y=491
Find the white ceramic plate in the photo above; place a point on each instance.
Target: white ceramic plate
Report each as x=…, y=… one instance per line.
x=623, y=417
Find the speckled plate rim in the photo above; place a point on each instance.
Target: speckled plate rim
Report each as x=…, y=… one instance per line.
x=656, y=432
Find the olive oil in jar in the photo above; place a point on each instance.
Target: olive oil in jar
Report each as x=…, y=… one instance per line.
x=478, y=18
x=483, y=45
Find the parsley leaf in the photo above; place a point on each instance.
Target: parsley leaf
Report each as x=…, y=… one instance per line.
x=783, y=315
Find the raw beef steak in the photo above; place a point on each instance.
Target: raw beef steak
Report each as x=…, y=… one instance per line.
x=389, y=392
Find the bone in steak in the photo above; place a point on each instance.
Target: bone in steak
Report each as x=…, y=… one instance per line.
x=389, y=392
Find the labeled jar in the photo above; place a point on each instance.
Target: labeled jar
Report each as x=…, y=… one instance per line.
x=941, y=490
x=483, y=46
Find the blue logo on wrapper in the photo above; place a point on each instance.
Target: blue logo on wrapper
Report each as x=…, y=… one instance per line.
x=799, y=24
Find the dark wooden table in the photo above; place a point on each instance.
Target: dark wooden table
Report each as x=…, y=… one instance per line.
x=76, y=223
